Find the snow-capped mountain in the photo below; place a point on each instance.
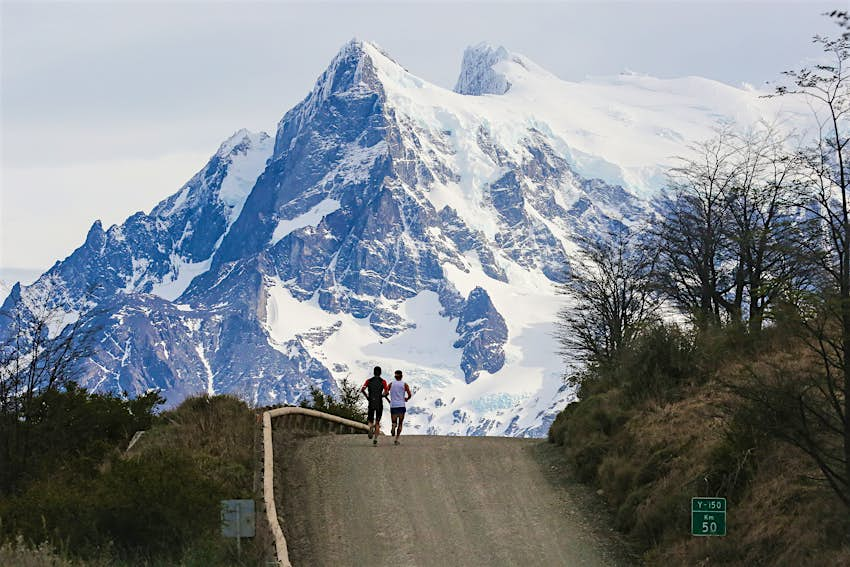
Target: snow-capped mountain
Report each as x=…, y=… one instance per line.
x=388, y=221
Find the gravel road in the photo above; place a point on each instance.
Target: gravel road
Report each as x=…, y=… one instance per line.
x=431, y=501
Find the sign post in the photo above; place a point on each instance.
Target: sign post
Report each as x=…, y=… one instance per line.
x=237, y=520
x=708, y=516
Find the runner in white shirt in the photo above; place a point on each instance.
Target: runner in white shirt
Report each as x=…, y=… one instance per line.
x=399, y=394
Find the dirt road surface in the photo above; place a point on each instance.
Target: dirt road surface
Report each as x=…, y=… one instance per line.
x=431, y=501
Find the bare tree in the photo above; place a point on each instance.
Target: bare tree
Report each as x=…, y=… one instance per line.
x=791, y=401
x=726, y=227
x=697, y=265
x=816, y=410
x=762, y=225
x=611, y=298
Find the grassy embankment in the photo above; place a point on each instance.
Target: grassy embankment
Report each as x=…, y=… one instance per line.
x=663, y=424
x=91, y=504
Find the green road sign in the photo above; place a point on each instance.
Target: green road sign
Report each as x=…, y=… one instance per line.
x=708, y=516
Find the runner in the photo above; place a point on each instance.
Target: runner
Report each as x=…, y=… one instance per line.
x=375, y=389
x=399, y=395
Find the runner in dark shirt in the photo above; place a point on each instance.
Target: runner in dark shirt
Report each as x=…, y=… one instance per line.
x=375, y=390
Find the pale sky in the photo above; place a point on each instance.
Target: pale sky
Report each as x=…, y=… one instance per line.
x=107, y=108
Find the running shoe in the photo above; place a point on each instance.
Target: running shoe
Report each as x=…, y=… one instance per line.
x=374, y=442
x=371, y=431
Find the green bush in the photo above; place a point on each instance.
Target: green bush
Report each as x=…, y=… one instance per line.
x=58, y=508
x=218, y=432
x=348, y=404
x=587, y=429
x=157, y=506
x=599, y=414
x=658, y=364
x=70, y=427
x=655, y=365
x=147, y=506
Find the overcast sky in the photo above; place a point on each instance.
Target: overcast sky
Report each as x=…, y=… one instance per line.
x=107, y=108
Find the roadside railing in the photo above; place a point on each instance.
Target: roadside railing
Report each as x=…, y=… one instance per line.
x=297, y=416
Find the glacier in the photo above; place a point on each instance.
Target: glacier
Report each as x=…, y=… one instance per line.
x=388, y=221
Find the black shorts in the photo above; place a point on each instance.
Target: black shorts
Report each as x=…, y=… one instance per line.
x=397, y=411
x=375, y=412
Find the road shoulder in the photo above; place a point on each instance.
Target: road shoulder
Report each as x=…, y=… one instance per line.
x=591, y=508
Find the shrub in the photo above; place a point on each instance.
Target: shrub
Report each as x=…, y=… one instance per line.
x=347, y=405
x=732, y=463
x=147, y=506
x=617, y=474
x=663, y=512
x=658, y=364
x=625, y=518
x=160, y=505
x=75, y=426
x=18, y=554
x=156, y=504
x=586, y=431
x=58, y=509
x=218, y=432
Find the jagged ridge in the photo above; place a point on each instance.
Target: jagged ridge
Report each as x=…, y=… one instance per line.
x=390, y=221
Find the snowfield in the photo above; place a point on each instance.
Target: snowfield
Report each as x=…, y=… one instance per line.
x=390, y=222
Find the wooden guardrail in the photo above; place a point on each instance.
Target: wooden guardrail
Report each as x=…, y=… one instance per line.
x=268, y=468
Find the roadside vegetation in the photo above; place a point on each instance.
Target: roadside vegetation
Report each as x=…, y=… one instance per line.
x=716, y=345
x=348, y=403
x=664, y=423
x=83, y=500
x=73, y=491
x=70, y=492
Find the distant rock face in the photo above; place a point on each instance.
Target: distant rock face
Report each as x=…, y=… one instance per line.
x=477, y=73
x=365, y=230
x=156, y=253
x=482, y=336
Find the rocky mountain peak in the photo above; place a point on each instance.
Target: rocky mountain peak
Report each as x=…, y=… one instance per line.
x=352, y=68
x=490, y=69
x=240, y=141
x=390, y=221
x=477, y=73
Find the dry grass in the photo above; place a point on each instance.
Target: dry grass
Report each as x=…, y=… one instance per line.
x=694, y=444
x=785, y=519
x=218, y=432
x=781, y=518
x=18, y=554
